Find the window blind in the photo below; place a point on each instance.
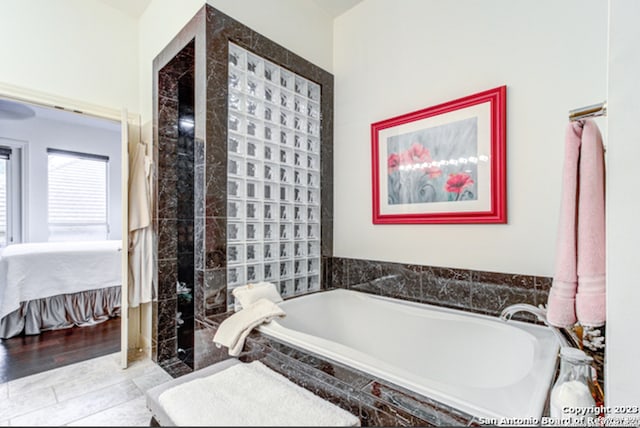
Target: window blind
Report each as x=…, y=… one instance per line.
x=5, y=153
x=77, y=195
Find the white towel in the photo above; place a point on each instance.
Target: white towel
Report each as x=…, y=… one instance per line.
x=234, y=330
x=249, y=395
x=250, y=293
x=140, y=268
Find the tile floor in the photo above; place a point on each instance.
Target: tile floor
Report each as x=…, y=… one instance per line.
x=95, y=392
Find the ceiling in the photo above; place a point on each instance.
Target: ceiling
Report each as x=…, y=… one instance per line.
x=135, y=8
x=17, y=110
x=336, y=8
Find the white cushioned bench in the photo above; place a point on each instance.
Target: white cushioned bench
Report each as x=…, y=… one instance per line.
x=232, y=393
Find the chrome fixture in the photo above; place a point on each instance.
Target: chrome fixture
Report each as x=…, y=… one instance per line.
x=541, y=314
x=594, y=110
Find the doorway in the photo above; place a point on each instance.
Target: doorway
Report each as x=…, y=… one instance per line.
x=69, y=189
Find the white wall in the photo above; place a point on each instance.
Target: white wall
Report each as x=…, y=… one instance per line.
x=396, y=57
x=623, y=210
x=299, y=25
x=78, y=49
x=43, y=133
x=158, y=25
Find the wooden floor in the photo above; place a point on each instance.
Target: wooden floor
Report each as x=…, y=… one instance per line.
x=25, y=355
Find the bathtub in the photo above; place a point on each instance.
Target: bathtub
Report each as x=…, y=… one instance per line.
x=475, y=363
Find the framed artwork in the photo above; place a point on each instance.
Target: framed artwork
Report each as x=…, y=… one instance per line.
x=442, y=164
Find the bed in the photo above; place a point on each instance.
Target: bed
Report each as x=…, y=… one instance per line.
x=53, y=285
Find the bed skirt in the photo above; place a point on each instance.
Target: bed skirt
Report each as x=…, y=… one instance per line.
x=63, y=311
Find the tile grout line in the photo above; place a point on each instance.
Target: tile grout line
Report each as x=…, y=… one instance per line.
x=100, y=411
x=34, y=410
x=38, y=409
x=58, y=401
x=73, y=398
x=115, y=405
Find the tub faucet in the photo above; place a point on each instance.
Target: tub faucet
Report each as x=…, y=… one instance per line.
x=541, y=314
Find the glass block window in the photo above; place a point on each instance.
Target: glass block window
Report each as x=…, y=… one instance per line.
x=273, y=198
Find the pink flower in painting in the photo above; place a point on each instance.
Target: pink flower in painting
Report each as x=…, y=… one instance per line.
x=393, y=162
x=457, y=182
x=405, y=158
x=433, y=172
x=418, y=153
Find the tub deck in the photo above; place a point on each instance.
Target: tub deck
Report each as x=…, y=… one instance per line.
x=376, y=401
x=504, y=374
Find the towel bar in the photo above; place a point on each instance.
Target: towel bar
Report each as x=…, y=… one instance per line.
x=594, y=110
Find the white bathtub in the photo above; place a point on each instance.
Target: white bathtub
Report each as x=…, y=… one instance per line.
x=476, y=363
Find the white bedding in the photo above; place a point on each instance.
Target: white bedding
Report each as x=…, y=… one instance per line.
x=37, y=270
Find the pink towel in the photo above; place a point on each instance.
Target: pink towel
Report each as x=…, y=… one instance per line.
x=579, y=281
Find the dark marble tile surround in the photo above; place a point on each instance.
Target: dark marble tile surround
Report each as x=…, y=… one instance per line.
x=470, y=290
x=173, y=221
x=201, y=48
x=185, y=166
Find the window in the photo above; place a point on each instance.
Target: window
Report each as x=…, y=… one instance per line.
x=10, y=194
x=5, y=154
x=77, y=196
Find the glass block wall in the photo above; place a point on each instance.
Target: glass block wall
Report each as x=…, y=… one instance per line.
x=273, y=204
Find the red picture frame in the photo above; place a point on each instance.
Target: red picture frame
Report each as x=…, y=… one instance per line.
x=442, y=164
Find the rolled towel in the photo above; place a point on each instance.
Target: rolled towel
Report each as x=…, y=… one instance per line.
x=246, y=295
x=233, y=331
